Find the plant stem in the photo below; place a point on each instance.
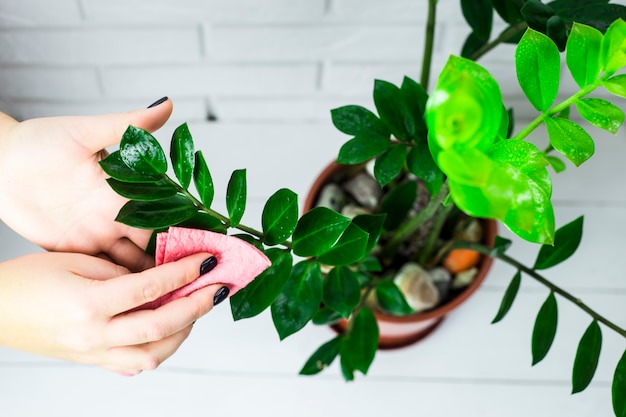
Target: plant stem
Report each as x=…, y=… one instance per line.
x=544, y=281
x=440, y=220
x=429, y=42
x=504, y=36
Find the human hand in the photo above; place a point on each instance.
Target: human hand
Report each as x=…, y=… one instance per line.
x=78, y=307
x=55, y=193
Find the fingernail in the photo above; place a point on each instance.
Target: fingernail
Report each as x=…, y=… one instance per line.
x=208, y=265
x=220, y=295
x=159, y=101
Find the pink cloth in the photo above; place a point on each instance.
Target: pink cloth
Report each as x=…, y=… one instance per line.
x=238, y=262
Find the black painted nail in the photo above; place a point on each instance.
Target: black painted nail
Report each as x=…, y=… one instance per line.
x=220, y=295
x=208, y=265
x=159, y=101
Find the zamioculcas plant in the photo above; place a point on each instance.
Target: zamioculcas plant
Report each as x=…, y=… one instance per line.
x=459, y=141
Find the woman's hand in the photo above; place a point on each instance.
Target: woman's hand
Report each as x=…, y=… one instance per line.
x=76, y=307
x=54, y=192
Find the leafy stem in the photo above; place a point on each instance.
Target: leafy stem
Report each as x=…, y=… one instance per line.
x=429, y=42
x=542, y=280
x=504, y=37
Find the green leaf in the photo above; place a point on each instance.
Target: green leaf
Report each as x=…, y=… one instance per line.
x=322, y=357
x=500, y=245
x=613, y=48
x=472, y=44
x=420, y=162
x=142, y=153
x=618, y=388
x=389, y=164
x=143, y=191
x=113, y=166
x=509, y=10
x=544, y=329
x=582, y=54
x=204, y=221
x=372, y=224
x=538, y=66
x=264, y=289
x=358, y=347
x=325, y=316
x=203, y=181
x=595, y=13
x=393, y=110
x=415, y=96
x=357, y=120
x=182, y=155
x=317, y=231
x=570, y=140
x=391, y=299
x=156, y=214
x=601, y=113
x=397, y=203
x=342, y=291
x=557, y=30
x=299, y=299
x=616, y=85
x=362, y=148
x=350, y=247
x=280, y=216
x=236, y=196
x=556, y=163
x=566, y=241
x=537, y=14
x=509, y=297
x=587, y=356
x=479, y=15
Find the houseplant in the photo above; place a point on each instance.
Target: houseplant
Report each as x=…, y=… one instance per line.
x=458, y=140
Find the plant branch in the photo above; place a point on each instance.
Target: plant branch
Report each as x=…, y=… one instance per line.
x=429, y=42
x=504, y=36
x=544, y=281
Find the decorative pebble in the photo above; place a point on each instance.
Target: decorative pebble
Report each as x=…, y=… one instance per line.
x=442, y=279
x=353, y=210
x=464, y=279
x=417, y=287
x=471, y=232
x=332, y=196
x=364, y=189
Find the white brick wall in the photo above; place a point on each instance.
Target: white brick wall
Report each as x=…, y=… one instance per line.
x=243, y=60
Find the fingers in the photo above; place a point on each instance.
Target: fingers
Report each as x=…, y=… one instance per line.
x=146, y=326
x=127, y=253
x=131, y=291
x=98, y=132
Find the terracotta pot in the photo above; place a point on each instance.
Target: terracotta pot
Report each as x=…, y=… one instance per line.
x=400, y=331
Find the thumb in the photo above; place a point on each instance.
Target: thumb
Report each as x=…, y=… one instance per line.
x=99, y=132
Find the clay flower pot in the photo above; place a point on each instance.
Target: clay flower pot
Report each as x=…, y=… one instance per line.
x=401, y=331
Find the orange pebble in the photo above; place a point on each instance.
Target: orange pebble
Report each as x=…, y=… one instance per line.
x=460, y=260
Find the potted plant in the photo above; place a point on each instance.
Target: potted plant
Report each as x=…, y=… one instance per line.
x=441, y=158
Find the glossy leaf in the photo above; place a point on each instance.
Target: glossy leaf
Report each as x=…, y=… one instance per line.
x=509, y=10
x=156, y=214
x=264, y=289
x=613, y=48
x=391, y=299
x=362, y=148
x=544, y=329
x=582, y=54
x=556, y=163
x=596, y=13
x=601, y=113
x=538, y=66
x=113, y=166
x=587, y=356
x=616, y=85
x=566, y=241
x=203, y=180
x=349, y=248
x=414, y=97
x=558, y=31
x=569, y=139
x=205, y=221
x=182, y=155
x=236, y=194
x=317, y=231
x=508, y=298
x=397, y=203
x=358, y=348
x=322, y=357
x=500, y=245
x=142, y=153
x=325, y=316
x=389, y=164
x=536, y=14
x=280, y=216
x=393, y=110
x=298, y=301
x=479, y=15
x=372, y=224
x=341, y=291
x=422, y=165
x=357, y=120
x=473, y=43
x=618, y=388
x=143, y=191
